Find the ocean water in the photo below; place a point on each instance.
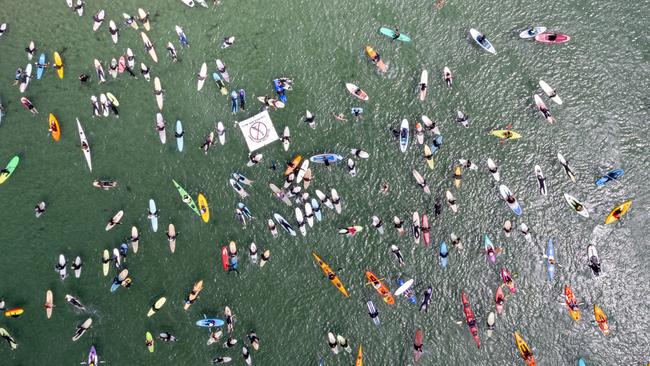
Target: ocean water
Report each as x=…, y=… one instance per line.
x=601, y=75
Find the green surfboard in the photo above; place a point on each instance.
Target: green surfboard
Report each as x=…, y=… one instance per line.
x=186, y=198
x=9, y=169
x=391, y=33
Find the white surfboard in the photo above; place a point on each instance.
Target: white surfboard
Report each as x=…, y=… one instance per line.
x=160, y=127
x=424, y=83
x=86, y=148
x=157, y=90
x=203, y=74
x=550, y=92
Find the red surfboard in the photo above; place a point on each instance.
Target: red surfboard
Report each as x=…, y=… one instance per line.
x=224, y=258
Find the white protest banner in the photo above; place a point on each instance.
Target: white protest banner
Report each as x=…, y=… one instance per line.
x=258, y=131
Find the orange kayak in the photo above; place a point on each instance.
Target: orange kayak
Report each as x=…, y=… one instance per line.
x=359, y=357
x=571, y=303
x=55, y=130
x=293, y=165
x=601, y=319
x=15, y=312
x=330, y=274
x=524, y=350
x=380, y=287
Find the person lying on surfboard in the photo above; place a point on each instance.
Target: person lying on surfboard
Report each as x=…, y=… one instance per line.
x=397, y=34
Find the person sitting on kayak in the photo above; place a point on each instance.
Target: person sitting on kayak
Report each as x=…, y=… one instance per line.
x=358, y=91
x=552, y=36
x=480, y=38
x=507, y=134
x=84, y=146
x=418, y=348
x=578, y=207
x=397, y=34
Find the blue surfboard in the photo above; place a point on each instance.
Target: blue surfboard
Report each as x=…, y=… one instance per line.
x=41, y=66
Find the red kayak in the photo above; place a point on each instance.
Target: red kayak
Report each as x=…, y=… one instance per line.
x=425, y=230
x=471, y=320
x=552, y=38
x=417, y=346
x=224, y=258
x=507, y=280
x=500, y=299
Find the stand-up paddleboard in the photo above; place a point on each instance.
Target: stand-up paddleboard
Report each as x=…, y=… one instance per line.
x=130, y=21
x=610, y=176
x=202, y=75
x=356, y=91
x=280, y=194
x=227, y=42
x=210, y=322
x=300, y=219
x=171, y=237
x=407, y=285
x=144, y=19
x=28, y=77
x=153, y=215
x=117, y=281
x=49, y=303
x=417, y=346
x=514, y=206
x=149, y=47
x=550, y=260
x=160, y=127
x=41, y=66
x=301, y=172
x=490, y=251
x=391, y=33
x=98, y=19
x=484, y=43
x=424, y=83
x=330, y=158
x=179, y=135
x=85, y=148
x=578, y=206
x=121, y=64
x=550, y=92
x=404, y=135
x=374, y=315
x=552, y=38
x=221, y=85
x=225, y=263
x=113, y=99
x=376, y=59
x=286, y=138
x=158, y=92
x=421, y=181
x=493, y=169
x=221, y=133
x=77, y=264
x=593, y=259
x=130, y=59
x=156, y=306
x=430, y=125
x=189, y=3
x=336, y=201
x=9, y=169
x=541, y=181
x=112, y=29
x=114, y=220
x=531, y=32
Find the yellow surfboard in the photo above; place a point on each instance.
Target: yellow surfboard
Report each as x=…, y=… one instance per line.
x=203, y=208
x=58, y=65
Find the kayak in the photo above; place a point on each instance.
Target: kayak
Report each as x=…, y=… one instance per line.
x=58, y=65
x=611, y=175
x=490, y=252
x=405, y=288
x=617, y=212
x=524, y=350
x=153, y=212
x=156, y=306
x=359, y=361
x=330, y=274
x=41, y=66
x=485, y=44
x=383, y=291
x=93, y=359
x=203, y=207
x=550, y=92
x=149, y=47
x=444, y=253
x=330, y=158
x=514, y=206
x=601, y=319
x=149, y=341
x=55, y=128
x=507, y=280
x=470, y=318
x=14, y=313
x=550, y=260
x=179, y=135
x=186, y=197
x=531, y=32
x=499, y=298
x=85, y=148
x=404, y=135
x=552, y=38
x=391, y=33
x=578, y=206
x=571, y=303
x=505, y=134
x=356, y=91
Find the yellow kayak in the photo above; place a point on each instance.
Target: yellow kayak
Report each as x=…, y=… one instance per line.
x=203, y=208
x=524, y=350
x=617, y=212
x=58, y=64
x=601, y=319
x=359, y=357
x=330, y=274
x=505, y=134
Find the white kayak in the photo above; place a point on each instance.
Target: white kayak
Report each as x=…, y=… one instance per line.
x=484, y=43
x=203, y=74
x=157, y=91
x=84, y=145
x=550, y=92
x=424, y=83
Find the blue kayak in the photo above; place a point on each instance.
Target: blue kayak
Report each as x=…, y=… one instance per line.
x=614, y=174
x=410, y=294
x=233, y=102
x=437, y=142
x=321, y=158
x=41, y=66
x=550, y=260
x=444, y=254
x=209, y=323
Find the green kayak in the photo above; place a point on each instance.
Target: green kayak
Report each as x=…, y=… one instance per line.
x=186, y=198
x=6, y=172
x=391, y=33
